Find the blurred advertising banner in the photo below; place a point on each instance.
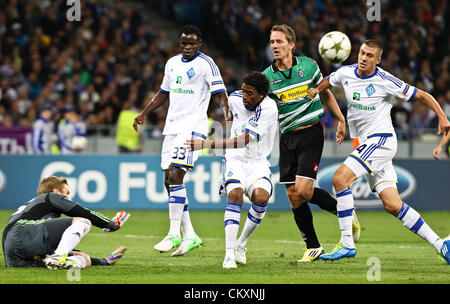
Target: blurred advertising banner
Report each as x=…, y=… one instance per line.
x=15, y=140
x=137, y=182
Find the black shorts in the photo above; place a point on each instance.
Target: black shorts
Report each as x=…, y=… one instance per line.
x=300, y=153
x=27, y=243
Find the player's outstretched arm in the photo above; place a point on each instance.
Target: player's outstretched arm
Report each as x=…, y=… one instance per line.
x=230, y=143
x=444, y=124
x=70, y=208
x=153, y=104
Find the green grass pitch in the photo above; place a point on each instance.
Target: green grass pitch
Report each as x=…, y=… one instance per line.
x=400, y=256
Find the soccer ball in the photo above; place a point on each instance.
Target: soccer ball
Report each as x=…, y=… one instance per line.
x=335, y=47
x=79, y=142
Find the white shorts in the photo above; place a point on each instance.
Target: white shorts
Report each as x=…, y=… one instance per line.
x=175, y=152
x=246, y=175
x=373, y=159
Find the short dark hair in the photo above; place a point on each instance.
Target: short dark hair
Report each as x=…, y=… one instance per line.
x=374, y=44
x=257, y=80
x=191, y=29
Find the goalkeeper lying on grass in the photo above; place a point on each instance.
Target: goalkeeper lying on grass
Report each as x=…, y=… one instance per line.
x=37, y=236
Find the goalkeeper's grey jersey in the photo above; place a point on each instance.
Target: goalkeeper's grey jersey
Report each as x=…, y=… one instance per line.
x=52, y=205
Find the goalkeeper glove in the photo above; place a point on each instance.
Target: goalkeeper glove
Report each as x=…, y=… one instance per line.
x=117, y=221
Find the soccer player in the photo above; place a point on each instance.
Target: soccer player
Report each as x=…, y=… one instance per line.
x=37, y=236
x=368, y=90
x=245, y=166
x=302, y=136
x=191, y=79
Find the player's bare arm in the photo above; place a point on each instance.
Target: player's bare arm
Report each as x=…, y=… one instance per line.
x=322, y=86
x=442, y=143
x=444, y=124
x=230, y=143
x=222, y=99
x=157, y=100
x=328, y=98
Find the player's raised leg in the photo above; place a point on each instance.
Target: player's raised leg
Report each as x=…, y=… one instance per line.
x=70, y=238
x=411, y=219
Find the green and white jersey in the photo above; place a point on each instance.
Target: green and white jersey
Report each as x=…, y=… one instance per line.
x=289, y=89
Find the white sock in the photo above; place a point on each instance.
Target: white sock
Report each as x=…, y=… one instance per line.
x=414, y=222
x=255, y=215
x=177, y=199
x=344, y=211
x=73, y=235
x=186, y=224
x=232, y=218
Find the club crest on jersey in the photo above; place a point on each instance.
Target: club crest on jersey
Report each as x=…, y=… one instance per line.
x=190, y=73
x=301, y=73
x=370, y=90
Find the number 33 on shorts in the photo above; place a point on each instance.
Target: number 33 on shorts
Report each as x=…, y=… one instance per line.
x=179, y=153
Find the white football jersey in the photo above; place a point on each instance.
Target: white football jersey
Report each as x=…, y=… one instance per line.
x=190, y=84
x=261, y=124
x=370, y=99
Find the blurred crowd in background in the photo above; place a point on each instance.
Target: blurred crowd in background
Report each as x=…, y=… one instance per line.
x=112, y=60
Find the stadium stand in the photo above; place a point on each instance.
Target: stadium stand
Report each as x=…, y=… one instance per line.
x=112, y=56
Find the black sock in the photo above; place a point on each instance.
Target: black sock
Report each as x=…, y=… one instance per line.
x=304, y=220
x=324, y=200
x=98, y=262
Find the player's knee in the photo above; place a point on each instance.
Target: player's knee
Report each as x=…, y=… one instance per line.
x=339, y=182
x=294, y=199
x=260, y=196
x=84, y=222
x=236, y=196
x=305, y=193
x=173, y=176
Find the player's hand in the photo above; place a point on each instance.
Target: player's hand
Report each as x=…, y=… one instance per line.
x=194, y=144
x=312, y=93
x=117, y=221
x=138, y=121
x=340, y=132
x=444, y=126
x=436, y=152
